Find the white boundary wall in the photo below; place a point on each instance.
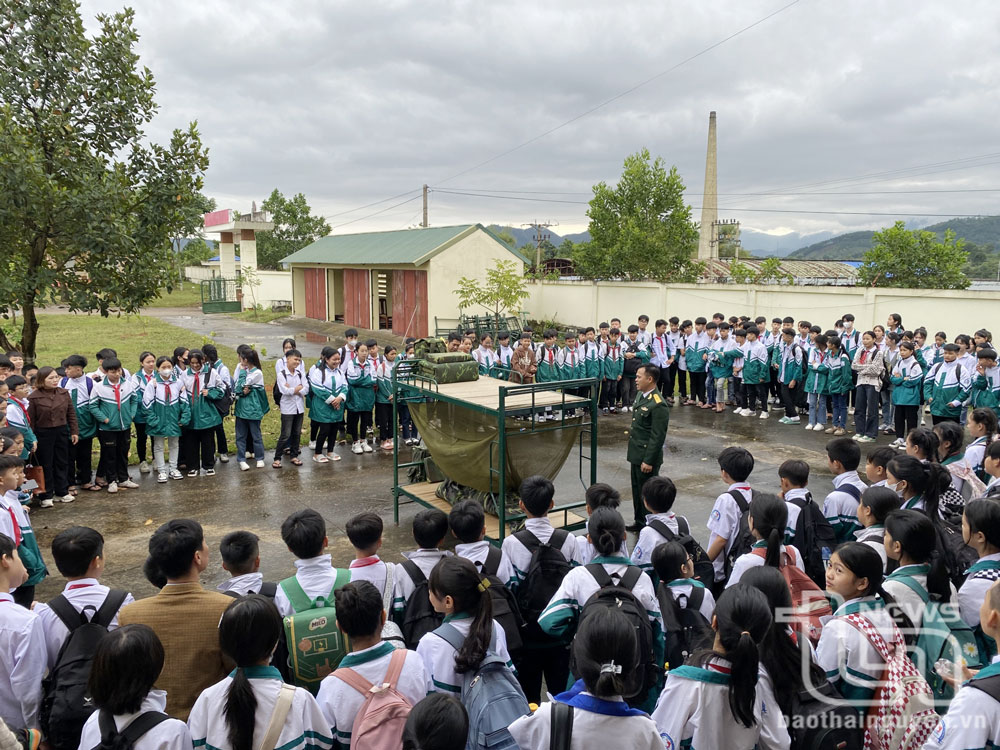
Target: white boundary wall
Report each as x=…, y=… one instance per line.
x=588, y=303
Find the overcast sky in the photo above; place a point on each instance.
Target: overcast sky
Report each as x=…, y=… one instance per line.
x=354, y=102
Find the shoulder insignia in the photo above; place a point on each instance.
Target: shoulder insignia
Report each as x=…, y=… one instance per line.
x=657, y=399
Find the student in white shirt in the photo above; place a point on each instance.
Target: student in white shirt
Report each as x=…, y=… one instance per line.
x=919, y=483
x=726, y=699
x=793, y=476
x=841, y=505
x=598, y=495
x=767, y=520
x=372, y=661
x=982, y=428
x=304, y=532
x=240, y=553
x=459, y=592
x=430, y=527
x=604, y=655
x=875, y=506
x=468, y=525
x=439, y=721
x=79, y=555
x=235, y=713
x=658, y=495
x=981, y=531
x=22, y=646
x=293, y=385
x=675, y=570
x=126, y=665
x=735, y=467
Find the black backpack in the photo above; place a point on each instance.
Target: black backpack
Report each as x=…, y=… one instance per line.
x=744, y=540
x=224, y=405
x=545, y=572
x=66, y=704
x=813, y=534
x=822, y=720
x=276, y=394
x=619, y=597
x=419, y=616
x=703, y=569
x=112, y=739
x=685, y=628
x=631, y=366
x=560, y=726
x=505, y=609
x=957, y=555
x=267, y=590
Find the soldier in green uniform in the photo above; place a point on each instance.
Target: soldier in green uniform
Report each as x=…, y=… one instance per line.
x=650, y=417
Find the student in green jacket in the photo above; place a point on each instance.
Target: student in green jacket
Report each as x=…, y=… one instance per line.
x=113, y=405
x=817, y=371
x=838, y=384
x=986, y=382
x=946, y=386
x=251, y=405
x=327, y=403
x=361, y=395
x=907, y=378
x=17, y=412
x=167, y=410
x=547, y=358
x=204, y=387
x=81, y=388
x=383, y=397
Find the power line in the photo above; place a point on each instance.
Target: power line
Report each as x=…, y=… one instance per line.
x=369, y=205
x=622, y=94
x=688, y=192
x=376, y=213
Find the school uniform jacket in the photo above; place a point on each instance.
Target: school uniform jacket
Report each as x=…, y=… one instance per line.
x=171, y=734
x=505, y=358
x=851, y=341
x=650, y=539
x=907, y=378
x=874, y=537
x=569, y=364
x=755, y=369
x=612, y=363
x=975, y=454
x=13, y=513
x=838, y=378
x=486, y=358
x=117, y=404
x=547, y=361
x=851, y=663
x=141, y=379
x=383, y=380
x=983, y=574
x=204, y=415
x=361, y=385
x=818, y=372
x=402, y=587
x=325, y=386
x=697, y=345
x=590, y=352
x=248, y=583
x=166, y=406
x=789, y=358
x=224, y=374
x=83, y=594
x=316, y=576
x=305, y=727
x=985, y=391
x=841, y=509
x=340, y=702
x=81, y=391
x=17, y=417
x=794, y=510
x=639, y=349
x=973, y=718
x=693, y=711
x=439, y=656
x=947, y=386
x=254, y=405
x=749, y=560
x=520, y=557
x=721, y=357
x=22, y=663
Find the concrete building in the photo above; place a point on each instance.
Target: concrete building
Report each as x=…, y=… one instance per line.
x=235, y=229
x=403, y=281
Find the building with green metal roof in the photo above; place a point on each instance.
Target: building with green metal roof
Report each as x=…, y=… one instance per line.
x=400, y=281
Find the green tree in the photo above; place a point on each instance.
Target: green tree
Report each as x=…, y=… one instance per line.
x=914, y=259
x=503, y=290
x=504, y=236
x=565, y=249
x=741, y=273
x=294, y=228
x=641, y=227
x=89, y=205
x=771, y=270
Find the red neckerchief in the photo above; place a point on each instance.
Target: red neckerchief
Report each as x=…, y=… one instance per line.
x=364, y=562
x=118, y=393
x=197, y=385
x=73, y=586
x=24, y=411
x=718, y=668
x=17, y=526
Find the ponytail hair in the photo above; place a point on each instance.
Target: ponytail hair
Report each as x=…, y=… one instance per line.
x=458, y=578
x=983, y=515
x=248, y=632
x=951, y=433
x=668, y=559
x=864, y=562
x=742, y=621
x=929, y=480
x=988, y=419
x=606, y=529
x=917, y=537
x=770, y=517
x=925, y=440
x=604, y=651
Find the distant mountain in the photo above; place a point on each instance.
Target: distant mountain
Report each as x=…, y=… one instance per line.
x=764, y=245
x=526, y=235
x=853, y=245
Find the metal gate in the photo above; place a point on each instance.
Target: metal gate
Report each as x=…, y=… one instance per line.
x=220, y=296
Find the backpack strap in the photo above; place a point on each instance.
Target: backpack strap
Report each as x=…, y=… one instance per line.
x=232, y=594
x=390, y=586
x=851, y=490
x=281, y=708
x=662, y=529
x=683, y=529
x=268, y=589
x=630, y=577
x=414, y=572
x=600, y=575
x=395, y=669
x=355, y=680
x=871, y=633
x=529, y=540
x=112, y=603
x=450, y=634
x=560, y=726
x=989, y=685
x=913, y=586
x=558, y=538
x=67, y=613
x=130, y=734
x=492, y=562
x=741, y=501
x=696, y=598
x=297, y=596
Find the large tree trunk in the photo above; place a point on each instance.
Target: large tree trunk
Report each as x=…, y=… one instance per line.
x=29, y=331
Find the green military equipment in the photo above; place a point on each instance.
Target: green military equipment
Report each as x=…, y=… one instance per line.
x=430, y=345
x=315, y=643
x=450, y=372
x=440, y=358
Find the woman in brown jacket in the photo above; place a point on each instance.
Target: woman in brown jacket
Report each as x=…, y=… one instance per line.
x=53, y=418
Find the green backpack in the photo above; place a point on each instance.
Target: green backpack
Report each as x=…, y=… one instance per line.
x=315, y=643
x=943, y=635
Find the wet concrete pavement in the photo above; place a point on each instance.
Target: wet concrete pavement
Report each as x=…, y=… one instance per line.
x=260, y=499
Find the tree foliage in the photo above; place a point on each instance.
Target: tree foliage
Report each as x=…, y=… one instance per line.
x=89, y=205
x=294, y=228
x=640, y=228
x=914, y=259
x=503, y=290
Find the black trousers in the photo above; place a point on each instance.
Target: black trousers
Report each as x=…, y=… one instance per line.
x=54, y=451
x=740, y=393
x=314, y=428
x=81, y=468
x=671, y=378
x=627, y=390
x=326, y=434
x=113, y=465
x=141, y=439
x=533, y=664
x=682, y=381
x=220, y=438
x=291, y=430
x=775, y=386
x=756, y=391
x=356, y=418
x=935, y=419
x=609, y=394
x=383, y=420
x=906, y=419
x=698, y=386
x=639, y=478
x=199, y=443
x=788, y=399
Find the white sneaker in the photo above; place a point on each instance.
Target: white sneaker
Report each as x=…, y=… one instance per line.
x=765, y=414
x=128, y=484
x=747, y=412
x=248, y=454
x=244, y=466
x=66, y=499
x=224, y=457
x=738, y=410
x=312, y=445
x=856, y=437
x=175, y=474
x=161, y=477
x=260, y=464
x=144, y=468
x=356, y=448
x=809, y=428
x=113, y=487
x=366, y=446
x=46, y=503
x=819, y=427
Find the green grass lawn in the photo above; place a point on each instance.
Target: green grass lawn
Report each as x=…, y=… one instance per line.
x=260, y=316
x=188, y=296
x=62, y=335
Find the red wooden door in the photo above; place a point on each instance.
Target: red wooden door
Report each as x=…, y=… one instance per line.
x=315, y=282
x=409, y=303
x=357, y=298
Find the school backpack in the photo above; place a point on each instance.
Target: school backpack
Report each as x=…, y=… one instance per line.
x=505, y=609
x=224, y=405
x=957, y=555
x=809, y=602
x=492, y=697
x=315, y=643
x=620, y=597
x=267, y=590
x=112, y=739
x=902, y=714
x=942, y=635
x=276, y=394
x=821, y=720
x=378, y=724
x=66, y=702
x=419, y=617
x=545, y=572
x=813, y=534
x=703, y=569
x=685, y=628
x=560, y=726
x=744, y=540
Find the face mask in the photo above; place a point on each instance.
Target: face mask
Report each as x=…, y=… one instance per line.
x=894, y=487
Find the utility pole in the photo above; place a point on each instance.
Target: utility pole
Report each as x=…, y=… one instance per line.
x=424, y=224
x=539, y=238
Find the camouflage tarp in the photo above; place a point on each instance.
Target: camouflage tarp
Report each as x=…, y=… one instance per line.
x=450, y=372
x=440, y=358
x=422, y=347
x=452, y=492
